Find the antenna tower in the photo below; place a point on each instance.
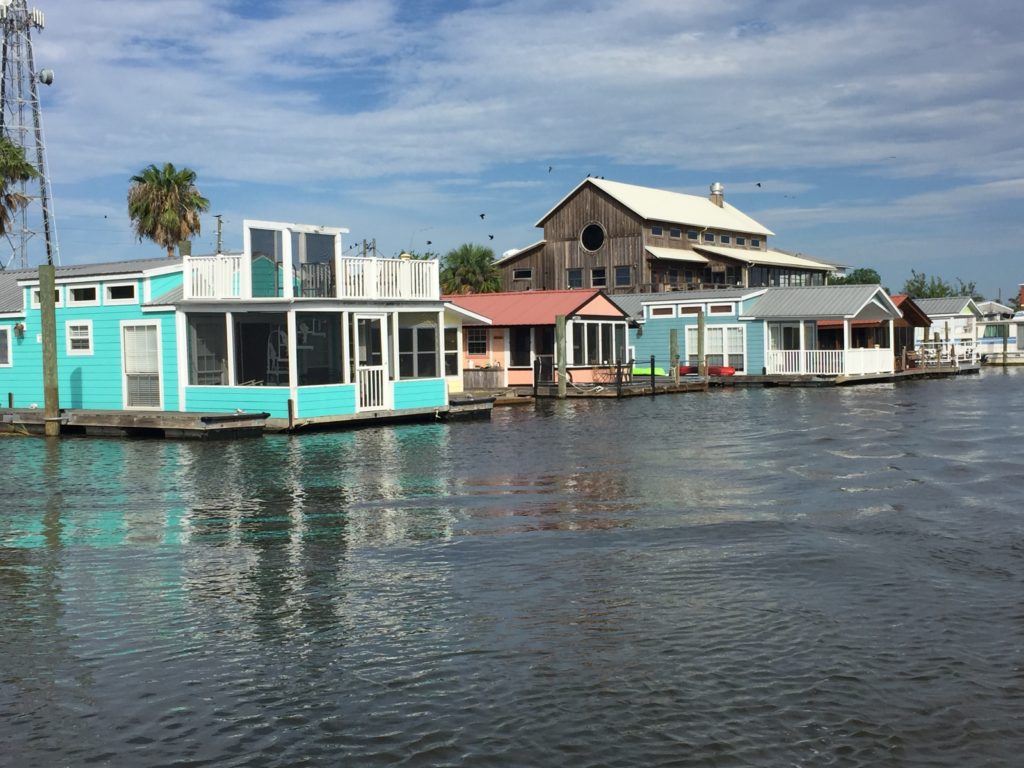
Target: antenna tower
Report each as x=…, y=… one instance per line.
x=21, y=123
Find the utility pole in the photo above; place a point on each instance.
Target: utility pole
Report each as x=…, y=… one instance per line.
x=21, y=124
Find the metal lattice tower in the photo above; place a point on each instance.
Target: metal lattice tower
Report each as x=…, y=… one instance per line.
x=32, y=229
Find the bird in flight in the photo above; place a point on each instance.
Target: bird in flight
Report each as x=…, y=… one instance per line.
x=482, y=215
x=490, y=237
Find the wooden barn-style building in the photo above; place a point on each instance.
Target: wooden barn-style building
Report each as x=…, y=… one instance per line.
x=623, y=238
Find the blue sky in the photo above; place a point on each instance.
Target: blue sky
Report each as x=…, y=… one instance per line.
x=883, y=134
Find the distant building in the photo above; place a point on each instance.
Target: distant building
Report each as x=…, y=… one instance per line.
x=623, y=238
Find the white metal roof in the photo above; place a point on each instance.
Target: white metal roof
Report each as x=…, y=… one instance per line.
x=676, y=254
x=671, y=207
x=824, y=302
x=768, y=258
x=519, y=252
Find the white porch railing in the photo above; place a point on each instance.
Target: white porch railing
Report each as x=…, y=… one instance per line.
x=366, y=278
x=221, y=277
x=213, y=277
x=850, y=362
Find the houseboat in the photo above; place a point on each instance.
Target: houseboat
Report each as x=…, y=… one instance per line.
x=288, y=327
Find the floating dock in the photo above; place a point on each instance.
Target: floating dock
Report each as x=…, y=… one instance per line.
x=100, y=423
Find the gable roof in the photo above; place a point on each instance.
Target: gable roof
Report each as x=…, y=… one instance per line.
x=525, y=307
x=633, y=303
x=824, y=302
x=671, y=207
x=519, y=252
x=912, y=313
x=949, y=305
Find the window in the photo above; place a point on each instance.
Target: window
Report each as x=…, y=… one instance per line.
x=675, y=232
x=207, y=350
x=723, y=345
x=996, y=331
x=5, y=347
x=140, y=343
x=656, y=231
x=417, y=346
x=662, y=312
x=592, y=237
x=755, y=242
x=623, y=276
x=83, y=295
x=476, y=341
x=689, y=311
x=522, y=274
x=56, y=298
x=709, y=237
x=725, y=239
x=598, y=342
x=261, y=349
x=574, y=278
x=598, y=277
x=741, y=241
x=692, y=234
x=120, y=293
x=721, y=309
x=79, y=337
x=520, y=339
x=451, y=351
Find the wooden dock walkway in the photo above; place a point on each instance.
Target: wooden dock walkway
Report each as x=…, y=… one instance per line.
x=102, y=423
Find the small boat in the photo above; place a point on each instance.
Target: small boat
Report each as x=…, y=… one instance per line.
x=713, y=370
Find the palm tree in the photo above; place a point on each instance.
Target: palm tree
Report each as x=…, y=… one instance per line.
x=14, y=169
x=164, y=205
x=469, y=269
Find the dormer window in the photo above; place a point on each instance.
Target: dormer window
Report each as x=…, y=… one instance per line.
x=725, y=239
x=755, y=242
x=709, y=237
x=675, y=232
x=741, y=240
x=692, y=234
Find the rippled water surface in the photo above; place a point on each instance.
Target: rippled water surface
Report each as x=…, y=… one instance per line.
x=775, y=577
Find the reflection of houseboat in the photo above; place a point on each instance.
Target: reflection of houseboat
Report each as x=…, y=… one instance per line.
x=288, y=326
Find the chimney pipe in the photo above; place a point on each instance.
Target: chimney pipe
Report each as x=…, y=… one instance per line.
x=718, y=194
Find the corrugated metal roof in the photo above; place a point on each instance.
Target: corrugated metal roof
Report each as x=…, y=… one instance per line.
x=671, y=207
x=524, y=307
x=823, y=302
x=676, y=254
x=12, y=298
x=768, y=258
x=948, y=305
x=173, y=296
x=633, y=303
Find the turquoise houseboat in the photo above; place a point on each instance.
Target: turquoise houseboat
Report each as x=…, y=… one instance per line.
x=288, y=326
x=834, y=330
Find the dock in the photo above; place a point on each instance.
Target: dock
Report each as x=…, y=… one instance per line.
x=112, y=423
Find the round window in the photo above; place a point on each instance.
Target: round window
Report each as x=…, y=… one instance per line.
x=592, y=237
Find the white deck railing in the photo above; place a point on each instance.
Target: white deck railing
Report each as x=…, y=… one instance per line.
x=367, y=278
x=221, y=277
x=850, y=362
x=213, y=277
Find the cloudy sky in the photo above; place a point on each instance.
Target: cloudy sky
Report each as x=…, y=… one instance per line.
x=874, y=133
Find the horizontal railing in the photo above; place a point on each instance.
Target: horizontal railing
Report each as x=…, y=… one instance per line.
x=221, y=277
x=830, y=362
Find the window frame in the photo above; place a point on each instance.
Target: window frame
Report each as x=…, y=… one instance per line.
x=725, y=239
x=661, y=310
x=693, y=234
x=68, y=339
x=470, y=341
x=594, y=277
x=415, y=354
x=569, y=275
x=709, y=237
x=109, y=301
x=741, y=241
x=517, y=276
x=58, y=298
x=755, y=242
x=7, y=345
x=71, y=301
x=657, y=230
x=676, y=233
x=722, y=309
x=629, y=275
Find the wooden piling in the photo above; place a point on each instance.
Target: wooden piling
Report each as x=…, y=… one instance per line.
x=48, y=322
x=561, y=353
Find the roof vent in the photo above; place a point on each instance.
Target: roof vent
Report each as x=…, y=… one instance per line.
x=717, y=194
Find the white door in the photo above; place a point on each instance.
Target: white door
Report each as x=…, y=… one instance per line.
x=141, y=347
x=371, y=362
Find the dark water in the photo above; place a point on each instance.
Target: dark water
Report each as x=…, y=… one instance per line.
x=765, y=577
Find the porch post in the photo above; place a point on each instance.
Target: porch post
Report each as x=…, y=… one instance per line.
x=892, y=342
x=801, y=366
x=229, y=336
x=439, y=353
x=392, y=341
x=293, y=362
x=346, y=332
x=181, y=335
x=286, y=265
x=846, y=341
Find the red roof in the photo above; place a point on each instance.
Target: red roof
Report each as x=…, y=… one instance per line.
x=527, y=307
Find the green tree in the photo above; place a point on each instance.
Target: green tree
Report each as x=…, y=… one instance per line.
x=861, y=276
x=469, y=268
x=14, y=170
x=920, y=286
x=164, y=205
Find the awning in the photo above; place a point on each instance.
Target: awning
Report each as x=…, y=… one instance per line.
x=766, y=258
x=676, y=254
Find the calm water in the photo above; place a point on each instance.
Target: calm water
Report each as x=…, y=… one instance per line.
x=765, y=577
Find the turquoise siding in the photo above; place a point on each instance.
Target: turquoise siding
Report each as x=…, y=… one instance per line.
x=755, y=347
x=335, y=400
x=419, y=393
x=161, y=284
x=273, y=400
x=86, y=381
